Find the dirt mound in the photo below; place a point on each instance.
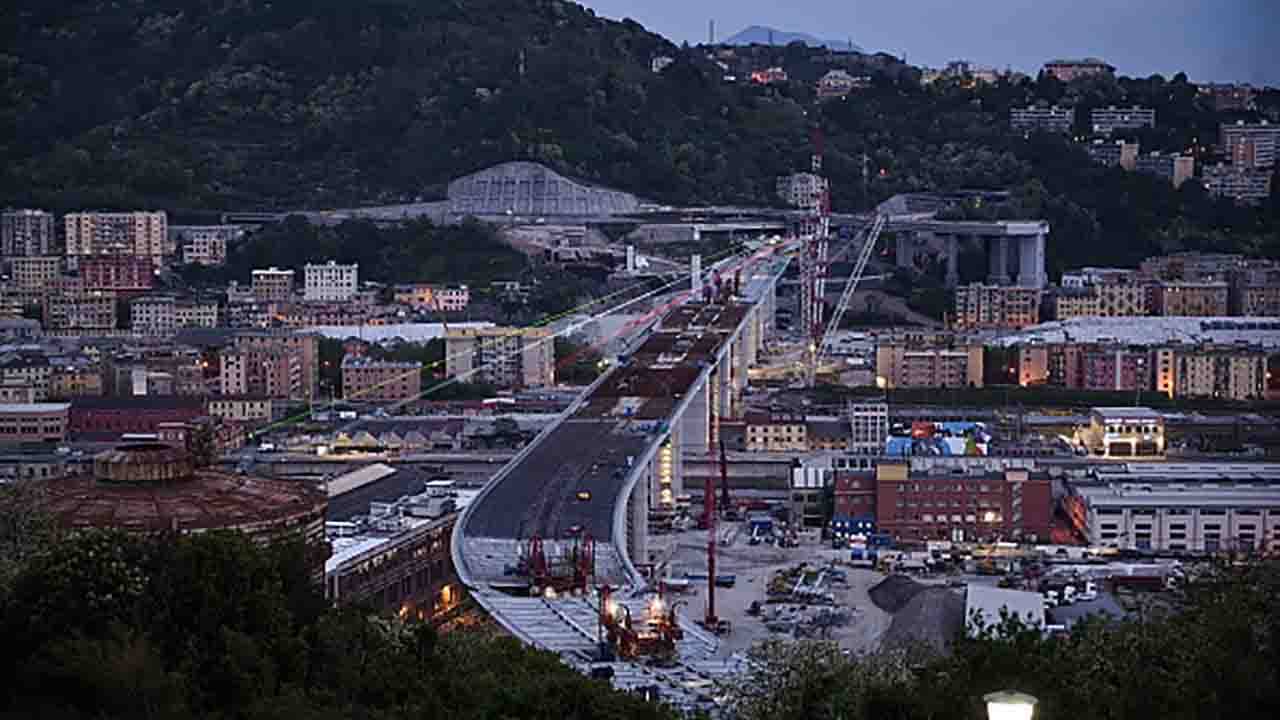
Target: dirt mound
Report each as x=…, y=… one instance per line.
x=933, y=616
x=894, y=592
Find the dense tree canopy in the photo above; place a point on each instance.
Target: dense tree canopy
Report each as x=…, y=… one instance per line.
x=1212, y=653
x=211, y=626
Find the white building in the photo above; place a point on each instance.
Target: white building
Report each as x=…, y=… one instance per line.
x=1238, y=183
x=330, y=282
x=196, y=314
x=869, y=427
x=1040, y=118
x=504, y=357
x=205, y=244
x=1109, y=119
x=1250, y=145
x=153, y=316
x=143, y=234
x=1195, y=507
x=985, y=606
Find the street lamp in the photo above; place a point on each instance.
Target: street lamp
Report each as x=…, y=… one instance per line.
x=1009, y=705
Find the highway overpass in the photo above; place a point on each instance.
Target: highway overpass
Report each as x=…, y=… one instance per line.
x=614, y=454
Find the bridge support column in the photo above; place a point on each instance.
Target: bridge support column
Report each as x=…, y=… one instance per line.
x=695, y=424
x=638, y=523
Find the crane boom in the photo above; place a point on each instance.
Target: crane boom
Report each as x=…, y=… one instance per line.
x=859, y=267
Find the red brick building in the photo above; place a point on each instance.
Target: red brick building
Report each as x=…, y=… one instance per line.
x=132, y=414
x=855, y=494
x=962, y=505
x=117, y=273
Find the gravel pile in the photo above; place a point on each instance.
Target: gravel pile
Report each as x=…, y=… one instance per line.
x=933, y=617
x=894, y=592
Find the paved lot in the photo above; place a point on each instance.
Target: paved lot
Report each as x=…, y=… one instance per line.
x=754, y=566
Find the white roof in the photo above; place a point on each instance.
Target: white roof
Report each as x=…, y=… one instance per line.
x=359, y=478
x=1261, y=331
x=13, y=408
x=410, y=332
x=988, y=601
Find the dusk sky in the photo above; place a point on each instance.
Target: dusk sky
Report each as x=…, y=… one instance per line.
x=1224, y=40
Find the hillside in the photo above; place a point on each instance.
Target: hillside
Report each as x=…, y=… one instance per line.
x=236, y=104
x=232, y=103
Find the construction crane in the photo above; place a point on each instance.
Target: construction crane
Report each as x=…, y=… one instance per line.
x=711, y=621
x=850, y=286
x=815, y=199
x=726, y=505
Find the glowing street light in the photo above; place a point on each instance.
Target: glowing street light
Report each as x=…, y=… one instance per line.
x=1010, y=705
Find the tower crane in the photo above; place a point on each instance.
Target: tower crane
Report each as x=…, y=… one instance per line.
x=846, y=297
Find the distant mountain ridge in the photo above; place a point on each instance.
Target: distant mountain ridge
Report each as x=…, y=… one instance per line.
x=763, y=35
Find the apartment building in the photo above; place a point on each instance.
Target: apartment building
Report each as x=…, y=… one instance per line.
x=330, y=282
x=116, y=273
x=1118, y=153
x=86, y=312
x=270, y=373
x=868, y=427
x=1086, y=367
x=775, y=432
x=153, y=316
x=1226, y=373
x=1109, y=119
x=368, y=380
x=35, y=274
x=962, y=504
x=33, y=422
x=1073, y=302
x=141, y=234
x=32, y=371
x=1255, y=291
x=1177, y=169
x=272, y=285
x=247, y=409
x=1239, y=184
x=1191, y=299
x=26, y=233
x=1041, y=118
x=1124, y=432
x=1067, y=70
x=306, y=345
x=980, y=306
x=902, y=365
x=1121, y=300
x=69, y=382
x=1251, y=146
x=434, y=298
x=205, y=244
x=504, y=357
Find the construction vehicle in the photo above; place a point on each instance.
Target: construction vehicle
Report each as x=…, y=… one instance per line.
x=726, y=505
x=571, y=573
x=655, y=639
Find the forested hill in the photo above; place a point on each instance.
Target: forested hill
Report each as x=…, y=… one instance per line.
x=287, y=104
x=247, y=103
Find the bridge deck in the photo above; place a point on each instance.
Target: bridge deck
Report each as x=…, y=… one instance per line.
x=573, y=477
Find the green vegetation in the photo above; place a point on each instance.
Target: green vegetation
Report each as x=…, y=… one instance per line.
x=297, y=104
x=1215, y=655
x=103, y=625
x=576, y=363
x=470, y=253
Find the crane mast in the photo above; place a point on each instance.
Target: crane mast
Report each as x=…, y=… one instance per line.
x=851, y=286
